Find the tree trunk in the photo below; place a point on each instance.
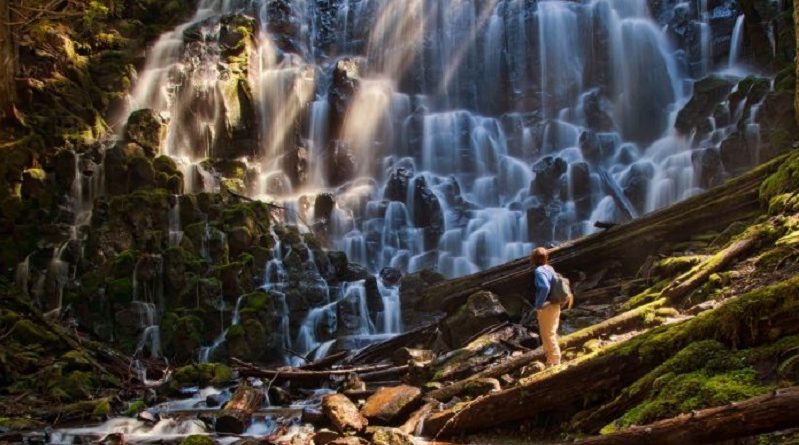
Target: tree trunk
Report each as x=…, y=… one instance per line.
x=235, y=417
x=8, y=62
x=764, y=414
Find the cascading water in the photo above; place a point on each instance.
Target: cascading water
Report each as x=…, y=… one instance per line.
x=451, y=134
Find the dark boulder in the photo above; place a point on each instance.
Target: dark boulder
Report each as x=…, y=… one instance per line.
x=582, y=189
x=397, y=185
x=708, y=167
x=146, y=129
x=635, y=184
x=482, y=310
x=708, y=94
x=547, y=182
x=390, y=276
x=427, y=212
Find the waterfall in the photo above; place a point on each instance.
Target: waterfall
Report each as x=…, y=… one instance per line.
x=452, y=134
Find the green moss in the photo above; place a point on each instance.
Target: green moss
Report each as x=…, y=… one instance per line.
x=28, y=332
x=120, y=291
x=135, y=408
x=201, y=375
x=124, y=264
x=669, y=267
x=197, y=439
x=784, y=180
x=102, y=408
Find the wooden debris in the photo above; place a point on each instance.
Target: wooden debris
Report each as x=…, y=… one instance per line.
x=235, y=416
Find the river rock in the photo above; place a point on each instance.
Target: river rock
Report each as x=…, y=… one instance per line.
x=482, y=310
x=390, y=276
x=324, y=436
x=389, y=405
x=389, y=436
x=146, y=129
x=343, y=414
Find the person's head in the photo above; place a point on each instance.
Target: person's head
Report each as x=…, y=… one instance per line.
x=539, y=257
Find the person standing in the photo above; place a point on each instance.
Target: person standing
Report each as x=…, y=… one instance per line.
x=547, y=312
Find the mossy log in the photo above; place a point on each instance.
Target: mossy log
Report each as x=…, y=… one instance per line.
x=625, y=321
x=596, y=378
x=695, y=277
x=235, y=416
x=758, y=415
x=629, y=243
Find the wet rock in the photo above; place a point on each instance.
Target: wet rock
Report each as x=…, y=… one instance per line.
x=344, y=84
x=403, y=355
x=397, y=185
x=481, y=311
x=235, y=33
x=708, y=94
x=295, y=165
x=541, y=224
x=198, y=439
x=284, y=26
x=389, y=405
x=323, y=207
x=214, y=400
x=427, y=212
x=635, y=184
x=147, y=417
x=390, y=276
x=146, y=129
x=343, y=414
x=737, y=153
x=141, y=174
x=236, y=132
x=65, y=169
x=598, y=112
x=389, y=436
x=582, y=189
x=548, y=171
x=349, y=440
x=324, y=436
x=34, y=183
x=707, y=164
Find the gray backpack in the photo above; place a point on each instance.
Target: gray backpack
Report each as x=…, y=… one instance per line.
x=561, y=292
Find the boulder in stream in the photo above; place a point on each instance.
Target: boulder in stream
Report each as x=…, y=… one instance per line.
x=343, y=414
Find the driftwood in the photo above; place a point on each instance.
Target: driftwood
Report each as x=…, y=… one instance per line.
x=629, y=243
x=235, y=416
x=384, y=349
x=298, y=376
x=764, y=414
x=386, y=373
x=325, y=362
x=612, y=188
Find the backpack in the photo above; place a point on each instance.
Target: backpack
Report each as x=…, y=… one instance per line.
x=560, y=291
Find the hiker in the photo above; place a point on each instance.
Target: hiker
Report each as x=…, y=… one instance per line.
x=547, y=311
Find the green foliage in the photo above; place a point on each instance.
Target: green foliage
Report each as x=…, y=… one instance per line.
x=784, y=180
x=197, y=439
x=135, y=408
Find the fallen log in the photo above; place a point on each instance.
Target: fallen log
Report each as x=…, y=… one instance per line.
x=393, y=372
x=325, y=362
x=626, y=320
x=630, y=243
x=235, y=416
x=691, y=280
x=298, y=376
x=758, y=415
x=384, y=349
x=596, y=378
x=619, y=198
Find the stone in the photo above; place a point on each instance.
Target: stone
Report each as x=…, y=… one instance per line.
x=482, y=310
x=403, y=355
x=548, y=172
x=146, y=129
x=391, y=404
x=389, y=436
x=708, y=93
x=390, y=276
x=598, y=112
x=343, y=414
x=582, y=189
x=349, y=440
x=323, y=207
x=427, y=213
x=65, y=169
x=707, y=164
x=635, y=184
x=324, y=436
x=397, y=185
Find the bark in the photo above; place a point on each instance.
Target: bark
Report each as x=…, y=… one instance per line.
x=629, y=243
x=385, y=349
x=235, y=416
x=759, y=415
x=625, y=321
x=8, y=62
x=615, y=192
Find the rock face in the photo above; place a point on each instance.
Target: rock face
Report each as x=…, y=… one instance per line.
x=147, y=130
x=481, y=311
x=389, y=405
x=343, y=414
x=427, y=213
x=341, y=164
x=548, y=172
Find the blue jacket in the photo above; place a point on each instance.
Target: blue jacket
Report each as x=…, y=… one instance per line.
x=543, y=283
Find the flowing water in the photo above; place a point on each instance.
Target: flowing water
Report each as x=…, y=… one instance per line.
x=452, y=134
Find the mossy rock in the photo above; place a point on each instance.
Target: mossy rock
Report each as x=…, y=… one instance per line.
x=201, y=375
x=30, y=333
x=784, y=180
x=120, y=291
x=198, y=439
x=135, y=408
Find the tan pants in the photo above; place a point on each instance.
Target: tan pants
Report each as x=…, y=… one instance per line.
x=548, y=320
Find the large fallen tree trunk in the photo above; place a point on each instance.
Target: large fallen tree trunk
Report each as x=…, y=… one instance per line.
x=235, y=416
x=384, y=349
x=594, y=379
x=624, y=321
x=630, y=243
x=764, y=414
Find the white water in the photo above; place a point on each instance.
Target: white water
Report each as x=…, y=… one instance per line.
x=477, y=130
